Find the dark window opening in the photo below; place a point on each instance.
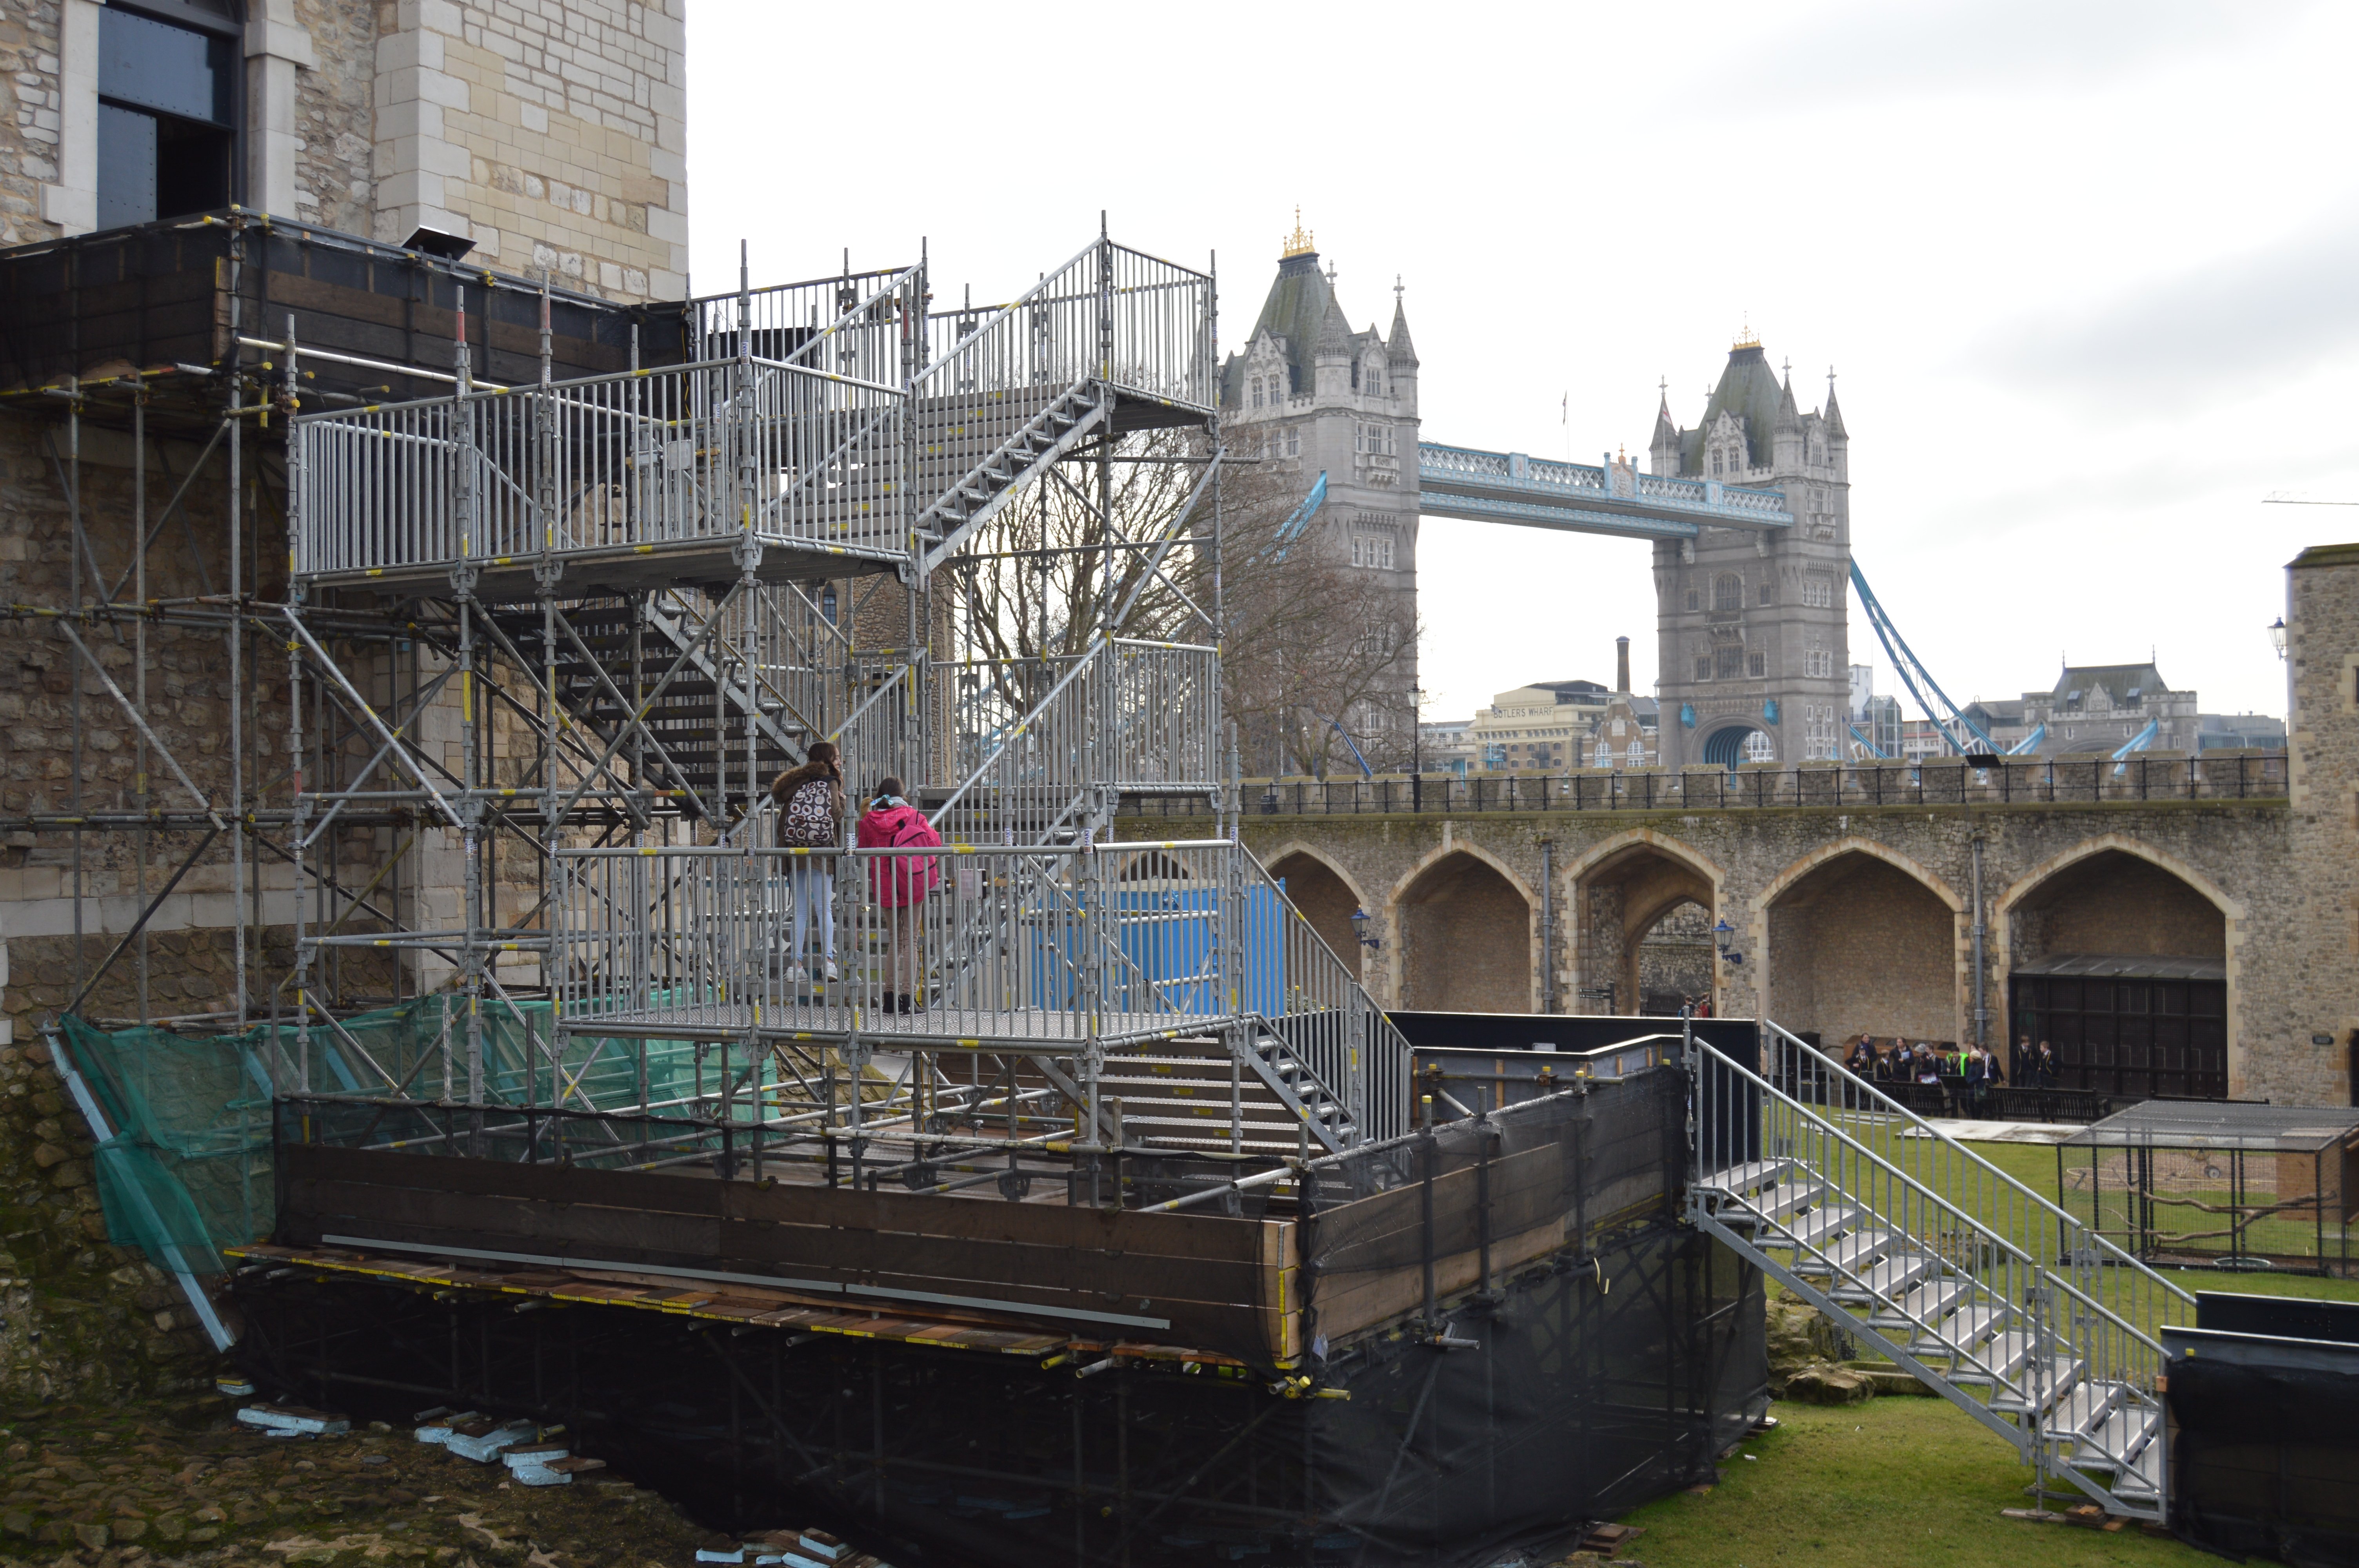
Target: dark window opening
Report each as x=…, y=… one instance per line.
x=167, y=118
x=1732, y=663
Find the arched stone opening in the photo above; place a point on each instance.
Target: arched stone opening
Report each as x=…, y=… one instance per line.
x=1645, y=932
x=1858, y=946
x=2121, y=966
x=1466, y=939
x=1325, y=900
x=1735, y=744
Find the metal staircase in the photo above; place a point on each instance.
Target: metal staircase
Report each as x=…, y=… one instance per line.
x=1199, y=1095
x=719, y=720
x=2009, y=1306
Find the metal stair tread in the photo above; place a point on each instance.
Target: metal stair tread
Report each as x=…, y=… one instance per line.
x=2118, y=1440
x=2081, y=1409
x=1925, y=1308
x=2064, y=1373
x=1782, y=1201
x=1741, y=1179
x=1855, y=1250
x=1830, y=1220
x=1888, y=1276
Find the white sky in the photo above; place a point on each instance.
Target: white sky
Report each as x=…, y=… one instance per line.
x=2085, y=269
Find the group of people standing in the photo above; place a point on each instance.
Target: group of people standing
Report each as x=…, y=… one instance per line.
x=1970, y=1072
x=812, y=805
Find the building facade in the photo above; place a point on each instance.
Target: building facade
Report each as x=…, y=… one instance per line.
x=532, y=134
x=1754, y=662
x=1310, y=397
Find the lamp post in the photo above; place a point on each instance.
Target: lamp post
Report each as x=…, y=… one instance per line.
x=1360, y=922
x=2277, y=635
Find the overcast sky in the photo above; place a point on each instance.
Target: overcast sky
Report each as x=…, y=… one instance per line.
x=2086, y=270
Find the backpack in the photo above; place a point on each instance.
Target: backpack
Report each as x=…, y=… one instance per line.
x=808, y=824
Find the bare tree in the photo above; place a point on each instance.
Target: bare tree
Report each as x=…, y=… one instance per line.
x=1313, y=649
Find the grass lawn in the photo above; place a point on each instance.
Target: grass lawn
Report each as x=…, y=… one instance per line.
x=1894, y=1481
x=1903, y=1480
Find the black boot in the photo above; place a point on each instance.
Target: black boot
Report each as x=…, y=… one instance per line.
x=901, y=1002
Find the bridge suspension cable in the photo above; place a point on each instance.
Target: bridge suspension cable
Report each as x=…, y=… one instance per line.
x=1955, y=728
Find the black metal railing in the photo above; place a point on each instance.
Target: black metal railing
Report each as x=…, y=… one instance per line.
x=1939, y=783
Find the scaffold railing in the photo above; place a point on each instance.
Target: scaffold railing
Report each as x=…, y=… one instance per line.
x=606, y=466
x=1037, y=743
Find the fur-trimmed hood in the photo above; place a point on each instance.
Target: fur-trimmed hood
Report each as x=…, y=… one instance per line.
x=783, y=787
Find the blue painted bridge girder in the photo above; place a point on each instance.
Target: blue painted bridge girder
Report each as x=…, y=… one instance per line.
x=1536, y=492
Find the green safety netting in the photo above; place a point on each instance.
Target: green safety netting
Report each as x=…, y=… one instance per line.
x=188, y=1169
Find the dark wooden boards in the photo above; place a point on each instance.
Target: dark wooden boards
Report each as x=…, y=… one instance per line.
x=1208, y=1280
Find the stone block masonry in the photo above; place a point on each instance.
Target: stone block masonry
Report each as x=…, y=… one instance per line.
x=1861, y=920
x=79, y=1318
x=551, y=134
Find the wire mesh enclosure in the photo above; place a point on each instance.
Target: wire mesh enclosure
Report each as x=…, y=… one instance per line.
x=2251, y=1187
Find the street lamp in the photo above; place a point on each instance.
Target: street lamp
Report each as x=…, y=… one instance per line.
x=2277, y=635
x=1722, y=935
x=1416, y=748
x=1360, y=921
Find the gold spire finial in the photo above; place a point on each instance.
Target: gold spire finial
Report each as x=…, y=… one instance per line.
x=1299, y=242
x=1746, y=337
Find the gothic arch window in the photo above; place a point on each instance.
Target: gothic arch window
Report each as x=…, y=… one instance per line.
x=1372, y=380
x=1693, y=600
x=1257, y=391
x=1715, y=461
x=1765, y=593
x=1728, y=591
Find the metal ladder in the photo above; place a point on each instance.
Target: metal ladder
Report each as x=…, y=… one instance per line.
x=2009, y=1306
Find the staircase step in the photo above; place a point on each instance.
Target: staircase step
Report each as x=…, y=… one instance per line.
x=1923, y=1309
x=2003, y=1356
x=1888, y=1277
x=1785, y=1199
x=2084, y=1408
x=2063, y=1376
x=1970, y=1324
x=2142, y=1482
x=1823, y=1223
x=1739, y=1180
x=1858, y=1250
x=2117, y=1441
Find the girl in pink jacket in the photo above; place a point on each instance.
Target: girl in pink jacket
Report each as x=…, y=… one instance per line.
x=900, y=884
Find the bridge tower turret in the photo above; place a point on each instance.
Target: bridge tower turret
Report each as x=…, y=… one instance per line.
x=1751, y=624
x=1307, y=395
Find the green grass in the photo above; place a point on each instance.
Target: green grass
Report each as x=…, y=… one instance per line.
x=1895, y=1481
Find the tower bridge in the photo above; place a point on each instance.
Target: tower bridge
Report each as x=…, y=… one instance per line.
x=1748, y=511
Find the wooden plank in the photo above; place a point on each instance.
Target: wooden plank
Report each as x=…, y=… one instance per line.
x=1120, y=1232
x=1377, y=1298
x=1387, y=1230
x=951, y=1266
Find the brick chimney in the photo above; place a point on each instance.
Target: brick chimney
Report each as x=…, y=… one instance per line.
x=1622, y=666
